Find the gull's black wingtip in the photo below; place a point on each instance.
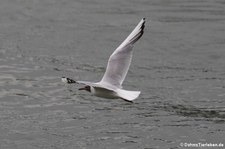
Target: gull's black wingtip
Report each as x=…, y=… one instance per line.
x=143, y=23
x=68, y=80
x=143, y=26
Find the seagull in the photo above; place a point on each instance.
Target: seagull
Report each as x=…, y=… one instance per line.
x=110, y=85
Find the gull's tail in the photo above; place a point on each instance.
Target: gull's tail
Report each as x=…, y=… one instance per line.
x=128, y=95
x=68, y=80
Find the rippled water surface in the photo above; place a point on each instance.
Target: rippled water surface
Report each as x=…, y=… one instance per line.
x=178, y=65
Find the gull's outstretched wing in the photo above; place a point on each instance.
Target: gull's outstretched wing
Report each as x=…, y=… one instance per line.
x=71, y=81
x=119, y=61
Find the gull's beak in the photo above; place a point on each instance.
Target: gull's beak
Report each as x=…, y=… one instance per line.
x=83, y=88
x=86, y=88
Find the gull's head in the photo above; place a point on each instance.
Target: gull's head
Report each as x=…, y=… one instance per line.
x=86, y=88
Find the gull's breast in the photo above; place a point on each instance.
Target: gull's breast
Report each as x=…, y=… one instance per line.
x=105, y=93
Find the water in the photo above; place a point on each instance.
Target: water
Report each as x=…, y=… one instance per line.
x=178, y=65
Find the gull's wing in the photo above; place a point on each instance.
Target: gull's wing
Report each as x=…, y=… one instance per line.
x=71, y=81
x=119, y=61
x=106, y=86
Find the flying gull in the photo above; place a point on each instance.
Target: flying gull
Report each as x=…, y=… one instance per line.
x=118, y=64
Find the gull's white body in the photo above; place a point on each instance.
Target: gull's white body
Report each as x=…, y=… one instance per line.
x=118, y=64
x=111, y=92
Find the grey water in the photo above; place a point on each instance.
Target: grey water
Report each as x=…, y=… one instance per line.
x=178, y=65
